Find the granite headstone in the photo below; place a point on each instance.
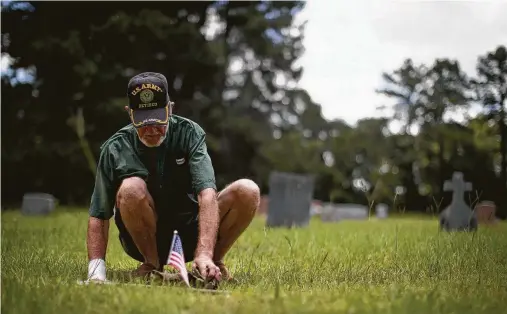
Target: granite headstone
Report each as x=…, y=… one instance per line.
x=485, y=212
x=37, y=204
x=290, y=199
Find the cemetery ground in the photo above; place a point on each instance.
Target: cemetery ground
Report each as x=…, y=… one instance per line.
x=397, y=265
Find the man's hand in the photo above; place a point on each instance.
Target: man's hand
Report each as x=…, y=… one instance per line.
x=206, y=268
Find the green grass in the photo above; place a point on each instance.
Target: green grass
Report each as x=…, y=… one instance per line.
x=392, y=266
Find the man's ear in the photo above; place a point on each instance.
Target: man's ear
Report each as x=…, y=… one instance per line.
x=171, y=105
x=127, y=109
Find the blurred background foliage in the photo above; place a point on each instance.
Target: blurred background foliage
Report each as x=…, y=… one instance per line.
x=232, y=68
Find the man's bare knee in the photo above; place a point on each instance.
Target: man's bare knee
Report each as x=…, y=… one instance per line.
x=134, y=202
x=247, y=195
x=238, y=204
x=132, y=191
x=249, y=188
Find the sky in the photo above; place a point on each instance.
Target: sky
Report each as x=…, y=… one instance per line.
x=348, y=44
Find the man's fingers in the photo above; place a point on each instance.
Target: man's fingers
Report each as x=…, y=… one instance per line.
x=203, y=271
x=218, y=275
x=207, y=270
x=212, y=272
x=215, y=273
x=196, y=270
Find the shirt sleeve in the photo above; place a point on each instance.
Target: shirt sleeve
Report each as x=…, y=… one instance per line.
x=201, y=167
x=103, y=197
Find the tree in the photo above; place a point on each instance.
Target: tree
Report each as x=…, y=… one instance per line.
x=491, y=91
x=445, y=90
x=81, y=62
x=406, y=85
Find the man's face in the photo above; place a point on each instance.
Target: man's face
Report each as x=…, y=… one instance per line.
x=152, y=135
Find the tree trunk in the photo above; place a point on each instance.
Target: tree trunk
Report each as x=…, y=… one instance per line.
x=80, y=129
x=438, y=128
x=441, y=163
x=503, y=152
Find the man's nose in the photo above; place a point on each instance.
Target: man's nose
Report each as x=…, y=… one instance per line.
x=151, y=131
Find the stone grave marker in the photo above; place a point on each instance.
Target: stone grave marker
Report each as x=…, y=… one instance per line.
x=381, y=211
x=290, y=199
x=485, y=212
x=37, y=204
x=458, y=216
x=336, y=212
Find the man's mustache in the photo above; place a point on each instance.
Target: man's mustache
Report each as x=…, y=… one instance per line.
x=153, y=132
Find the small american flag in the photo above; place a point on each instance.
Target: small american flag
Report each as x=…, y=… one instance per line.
x=176, y=257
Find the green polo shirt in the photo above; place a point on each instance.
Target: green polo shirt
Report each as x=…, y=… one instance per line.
x=175, y=172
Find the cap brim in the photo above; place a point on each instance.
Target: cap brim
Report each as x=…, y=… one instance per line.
x=159, y=116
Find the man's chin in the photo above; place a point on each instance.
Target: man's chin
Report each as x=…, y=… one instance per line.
x=152, y=144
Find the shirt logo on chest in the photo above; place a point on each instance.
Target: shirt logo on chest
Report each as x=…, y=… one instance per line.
x=180, y=161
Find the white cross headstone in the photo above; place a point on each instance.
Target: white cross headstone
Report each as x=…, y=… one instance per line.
x=458, y=215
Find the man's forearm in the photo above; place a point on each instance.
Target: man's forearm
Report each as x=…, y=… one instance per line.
x=209, y=218
x=97, y=238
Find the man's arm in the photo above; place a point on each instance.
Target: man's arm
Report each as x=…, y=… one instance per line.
x=101, y=210
x=97, y=237
x=96, y=240
x=209, y=219
x=203, y=183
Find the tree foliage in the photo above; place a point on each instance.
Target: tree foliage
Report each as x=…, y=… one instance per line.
x=232, y=67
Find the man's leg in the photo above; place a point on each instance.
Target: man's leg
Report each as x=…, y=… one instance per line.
x=137, y=212
x=238, y=203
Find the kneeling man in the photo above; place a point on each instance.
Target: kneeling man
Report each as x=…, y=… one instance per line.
x=155, y=176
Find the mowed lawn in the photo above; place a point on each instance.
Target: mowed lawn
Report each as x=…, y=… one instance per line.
x=401, y=265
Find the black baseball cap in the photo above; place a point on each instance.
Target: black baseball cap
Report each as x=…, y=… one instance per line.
x=148, y=99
